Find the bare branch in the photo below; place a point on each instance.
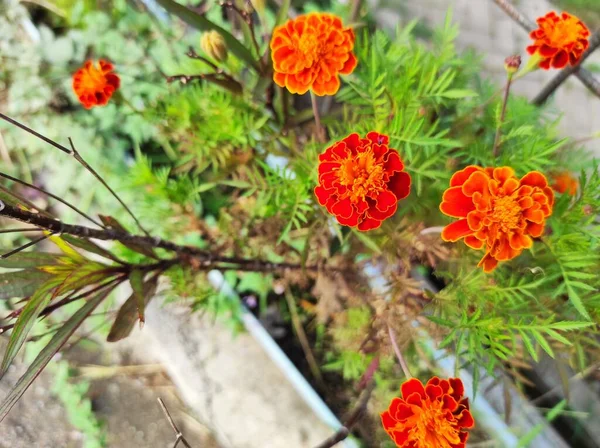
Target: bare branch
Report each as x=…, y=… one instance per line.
x=355, y=416
x=25, y=246
x=53, y=196
x=178, y=434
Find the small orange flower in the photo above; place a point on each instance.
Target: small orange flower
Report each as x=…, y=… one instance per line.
x=361, y=180
x=559, y=40
x=432, y=416
x=94, y=86
x=565, y=183
x=310, y=52
x=497, y=210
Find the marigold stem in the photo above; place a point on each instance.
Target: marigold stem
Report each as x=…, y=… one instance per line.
x=502, y=116
x=315, y=108
x=401, y=359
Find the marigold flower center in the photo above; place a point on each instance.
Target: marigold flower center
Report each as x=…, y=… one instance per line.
x=362, y=175
x=309, y=46
x=93, y=79
x=432, y=428
x=564, y=32
x=506, y=212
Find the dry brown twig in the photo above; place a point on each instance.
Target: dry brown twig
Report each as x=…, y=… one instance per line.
x=179, y=436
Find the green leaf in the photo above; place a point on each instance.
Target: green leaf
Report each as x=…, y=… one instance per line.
x=55, y=344
x=576, y=301
x=30, y=312
x=528, y=345
x=367, y=241
x=27, y=260
x=537, y=429
x=21, y=283
x=458, y=93
x=90, y=247
x=559, y=337
x=282, y=14
x=543, y=342
x=570, y=325
x=136, y=279
x=128, y=313
x=203, y=24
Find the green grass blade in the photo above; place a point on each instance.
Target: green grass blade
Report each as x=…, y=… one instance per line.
x=55, y=344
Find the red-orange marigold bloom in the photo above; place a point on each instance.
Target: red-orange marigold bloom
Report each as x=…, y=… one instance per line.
x=498, y=211
x=361, y=180
x=432, y=416
x=94, y=86
x=563, y=182
x=559, y=40
x=310, y=52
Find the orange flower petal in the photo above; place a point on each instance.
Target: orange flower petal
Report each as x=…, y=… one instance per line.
x=310, y=51
x=502, y=213
x=457, y=230
x=95, y=85
x=361, y=180
x=428, y=416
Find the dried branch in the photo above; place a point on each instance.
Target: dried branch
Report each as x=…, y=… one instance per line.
x=206, y=259
x=355, y=416
x=178, y=434
x=53, y=196
x=398, y=353
x=25, y=246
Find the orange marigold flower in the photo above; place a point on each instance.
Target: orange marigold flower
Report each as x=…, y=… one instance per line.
x=559, y=40
x=310, y=52
x=565, y=183
x=432, y=416
x=361, y=180
x=94, y=86
x=497, y=210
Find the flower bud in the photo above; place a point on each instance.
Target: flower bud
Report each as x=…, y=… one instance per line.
x=512, y=64
x=213, y=44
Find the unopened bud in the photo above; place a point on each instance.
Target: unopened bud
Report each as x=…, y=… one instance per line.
x=259, y=5
x=213, y=44
x=512, y=64
x=587, y=209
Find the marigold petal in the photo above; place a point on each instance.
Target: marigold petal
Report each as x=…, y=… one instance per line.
x=412, y=386
x=473, y=242
x=387, y=420
x=476, y=183
x=343, y=208
x=519, y=241
x=460, y=177
x=457, y=230
x=458, y=389
x=466, y=420
x=455, y=203
x=393, y=163
x=488, y=263
x=369, y=224
x=535, y=229
x=560, y=60
x=399, y=184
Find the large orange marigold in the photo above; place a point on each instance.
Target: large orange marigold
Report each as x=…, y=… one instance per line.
x=93, y=85
x=498, y=211
x=361, y=180
x=310, y=52
x=559, y=40
x=432, y=416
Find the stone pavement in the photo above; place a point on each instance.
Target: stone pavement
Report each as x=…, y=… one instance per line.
x=486, y=28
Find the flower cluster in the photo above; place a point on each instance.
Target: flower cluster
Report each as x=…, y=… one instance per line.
x=361, y=180
x=432, y=416
x=94, y=85
x=497, y=211
x=559, y=40
x=310, y=52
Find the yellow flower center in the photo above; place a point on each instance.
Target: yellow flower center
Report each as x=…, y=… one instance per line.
x=309, y=46
x=93, y=79
x=431, y=428
x=506, y=212
x=362, y=175
x=563, y=32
